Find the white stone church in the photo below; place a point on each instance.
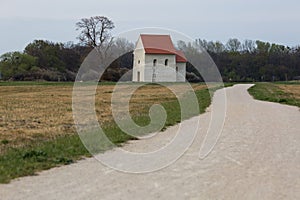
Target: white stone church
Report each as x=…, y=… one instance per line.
x=157, y=60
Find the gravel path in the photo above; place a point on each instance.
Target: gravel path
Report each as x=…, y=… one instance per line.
x=257, y=157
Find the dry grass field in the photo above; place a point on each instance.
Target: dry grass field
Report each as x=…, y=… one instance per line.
x=37, y=131
x=293, y=90
x=42, y=112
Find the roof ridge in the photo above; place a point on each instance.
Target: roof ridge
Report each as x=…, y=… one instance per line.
x=155, y=34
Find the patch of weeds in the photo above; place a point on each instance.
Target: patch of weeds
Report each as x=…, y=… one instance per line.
x=282, y=100
x=63, y=160
x=4, y=141
x=38, y=156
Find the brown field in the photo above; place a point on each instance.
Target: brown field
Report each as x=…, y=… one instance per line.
x=34, y=113
x=293, y=90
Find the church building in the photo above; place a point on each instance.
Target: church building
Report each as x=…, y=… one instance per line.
x=157, y=60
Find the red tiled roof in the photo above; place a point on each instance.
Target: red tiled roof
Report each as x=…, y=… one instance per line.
x=180, y=57
x=161, y=44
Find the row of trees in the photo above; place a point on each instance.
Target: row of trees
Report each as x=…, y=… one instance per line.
x=43, y=60
x=237, y=61
x=247, y=46
x=250, y=60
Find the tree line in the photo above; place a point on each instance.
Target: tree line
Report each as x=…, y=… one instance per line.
x=43, y=60
x=237, y=61
x=253, y=60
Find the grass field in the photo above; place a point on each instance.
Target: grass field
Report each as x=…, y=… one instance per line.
x=37, y=130
x=285, y=93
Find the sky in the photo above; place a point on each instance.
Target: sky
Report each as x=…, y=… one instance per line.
x=276, y=21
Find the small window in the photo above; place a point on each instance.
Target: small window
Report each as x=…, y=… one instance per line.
x=166, y=62
x=138, y=76
x=176, y=68
x=139, y=62
x=154, y=62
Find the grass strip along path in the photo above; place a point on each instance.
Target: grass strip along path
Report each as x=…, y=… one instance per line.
x=284, y=93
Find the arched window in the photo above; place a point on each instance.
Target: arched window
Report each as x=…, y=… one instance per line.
x=154, y=62
x=166, y=62
x=138, y=76
x=139, y=62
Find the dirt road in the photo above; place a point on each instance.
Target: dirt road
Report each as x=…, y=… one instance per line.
x=256, y=157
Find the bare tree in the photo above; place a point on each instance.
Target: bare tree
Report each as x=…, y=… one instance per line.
x=249, y=46
x=219, y=47
x=124, y=45
x=233, y=45
x=95, y=31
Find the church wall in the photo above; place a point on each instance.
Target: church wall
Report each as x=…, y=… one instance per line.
x=138, y=62
x=162, y=73
x=181, y=72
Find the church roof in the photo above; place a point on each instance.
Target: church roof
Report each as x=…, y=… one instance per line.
x=161, y=44
x=180, y=57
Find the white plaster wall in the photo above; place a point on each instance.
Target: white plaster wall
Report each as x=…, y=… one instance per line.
x=139, y=55
x=163, y=73
x=181, y=72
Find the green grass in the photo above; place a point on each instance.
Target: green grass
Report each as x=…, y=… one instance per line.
x=288, y=82
x=29, y=160
x=271, y=92
x=18, y=162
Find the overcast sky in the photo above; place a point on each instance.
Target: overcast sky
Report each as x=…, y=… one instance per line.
x=23, y=21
